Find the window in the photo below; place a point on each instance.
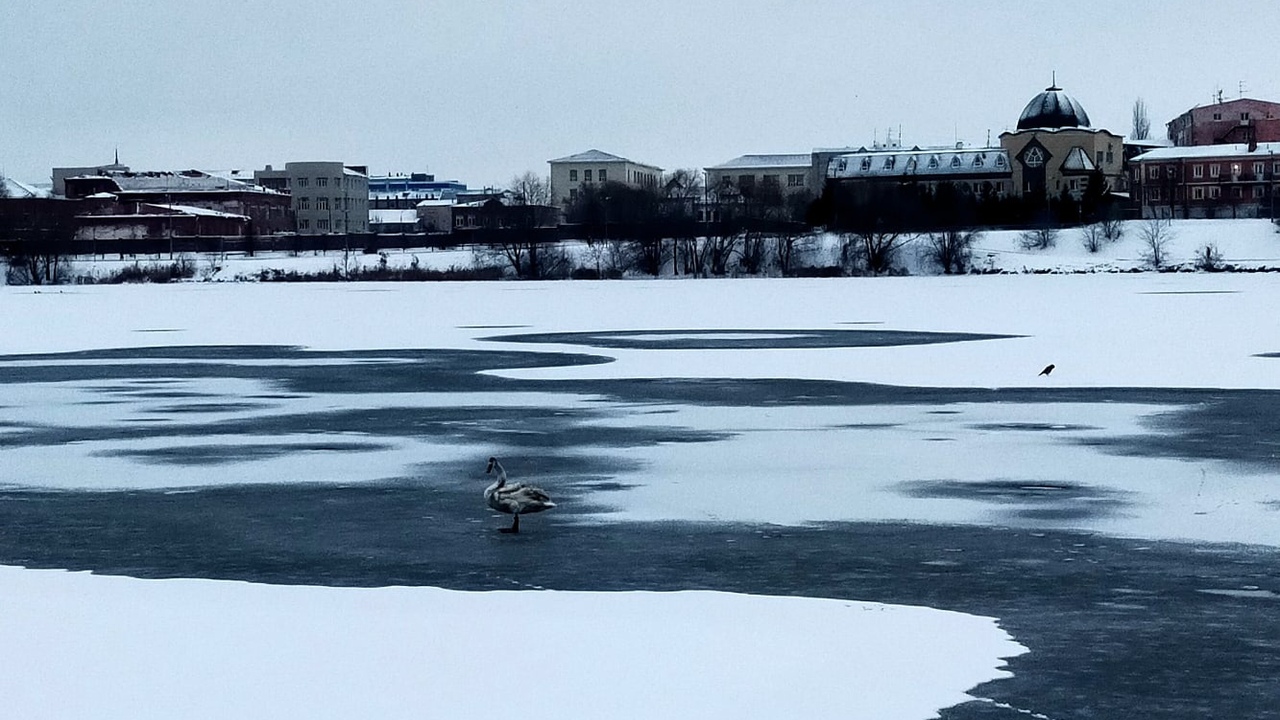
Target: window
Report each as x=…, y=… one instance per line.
x=603, y=175
x=302, y=182
x=1235, y=169
x=1258, y=191
x=573, y=176
x=933, y=162
x=1237, y=191
x=1153, y=172
x=1217, y=116
x=1275, y=169
x=322, y=203
x=1215, y=192
x=304, y=203
x=771, y=181
x=1244, y=116
x=586, y=175
x=573, y=193
x=977, y=161
x=1197, y=193
x=866, y=164
x=337, y=182
x=1197, y=171
x=1215, y=170
x=1153, y=193
x=890, y=161
x=1111, y=156
x=795, y=180
x=955, y=161
x=1034, y=157
x=746, y=181
x=322, y=182
x=304, y=224
x=999, y=161
x=1259, y=168
x=1100, y=156
x=322, y=224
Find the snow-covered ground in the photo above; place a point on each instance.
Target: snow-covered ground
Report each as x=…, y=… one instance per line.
x=76, y=645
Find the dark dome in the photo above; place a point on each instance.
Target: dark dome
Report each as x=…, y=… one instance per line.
x=1053, y=109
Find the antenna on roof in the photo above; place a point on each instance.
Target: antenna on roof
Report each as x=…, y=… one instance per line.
x=1241, y=88
x=117, y=154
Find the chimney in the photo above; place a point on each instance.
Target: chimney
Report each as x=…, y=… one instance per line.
x=1253, y=138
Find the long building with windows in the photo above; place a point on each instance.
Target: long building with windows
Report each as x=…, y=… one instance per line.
x=1206, y=181
x=570, y=174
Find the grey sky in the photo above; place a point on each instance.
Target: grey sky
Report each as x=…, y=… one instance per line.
x=480, y=91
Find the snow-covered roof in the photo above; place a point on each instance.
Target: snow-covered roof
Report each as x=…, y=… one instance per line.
x=202, y=212
x=1078, y=161
x=1147, y=142
x=180, y=181
x=1188, y=152
x=393, y=217
x=16, y=189
x=897, y=162
x=440, y=202
x=776, y=160
x=101, y=196
x=598, y=156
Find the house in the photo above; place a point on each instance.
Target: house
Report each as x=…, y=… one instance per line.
x=1235, y=180
x=571, y=173
x=328, y=197
x=60, y=174
x=421, y=185
x=394, y=220
x=783, y=175
x=268, y=210
x=105, y=217
x=1242, y=120
x=1055, y=149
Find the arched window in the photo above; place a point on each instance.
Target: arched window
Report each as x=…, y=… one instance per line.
x=1034, y=157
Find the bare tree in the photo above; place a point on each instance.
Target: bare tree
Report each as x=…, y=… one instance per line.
x=1039, y=238
x=877, y=250
x=1156, y=234
x=1141, y=123
x=1209, y=258
x=530, y=189
x=951, y=249
x=1113, y=225
x=1092, y=237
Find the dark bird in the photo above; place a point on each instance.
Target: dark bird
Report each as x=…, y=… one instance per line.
x=514, y=499
x=1047, y=369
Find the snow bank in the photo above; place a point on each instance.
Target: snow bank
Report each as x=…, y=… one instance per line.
x=79, y=645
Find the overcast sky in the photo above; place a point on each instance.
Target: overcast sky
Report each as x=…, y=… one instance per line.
x=481, y=91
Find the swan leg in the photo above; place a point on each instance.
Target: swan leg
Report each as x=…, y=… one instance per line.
x=515, y=524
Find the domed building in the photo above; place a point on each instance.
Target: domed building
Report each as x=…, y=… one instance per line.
x=1056, y=149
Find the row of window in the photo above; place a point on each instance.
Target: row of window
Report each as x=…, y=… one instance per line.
x=324, y=182
x=321, y=224
x=304, y=203
x=602, y=174
x=1213, y=192
x=1215, y=170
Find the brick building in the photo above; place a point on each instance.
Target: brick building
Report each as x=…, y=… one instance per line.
x=1237, y=180
x=1234, y=121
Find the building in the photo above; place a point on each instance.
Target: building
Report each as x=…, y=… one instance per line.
x=785, y=174
x=60, y=174
x=1243, y=120
x=393, y=220
x=1236, y=180
x=422, y=185
x=1056, y=150
x=328, y=197
x=569, y=175
x=981, y=171
x=268, y=210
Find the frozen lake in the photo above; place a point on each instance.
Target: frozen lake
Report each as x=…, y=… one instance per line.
x=881, y=440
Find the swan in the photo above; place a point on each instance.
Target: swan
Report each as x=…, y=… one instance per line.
x=515, y=499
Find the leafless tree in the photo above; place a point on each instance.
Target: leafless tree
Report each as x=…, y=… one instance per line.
x=875, y=251
x=1112, y=225
x=1209, y=258
x=951, y=249
x=1141, y=122
x=1092, y=237
x=1156, y=234
x=530, y=189
x=1039, y=238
